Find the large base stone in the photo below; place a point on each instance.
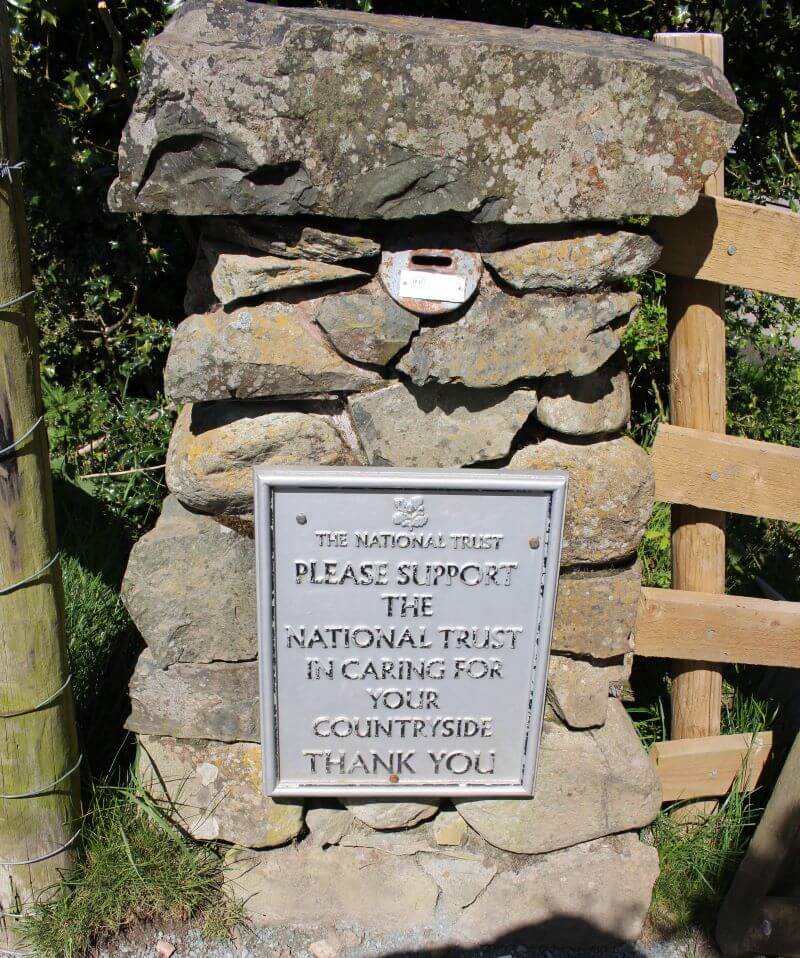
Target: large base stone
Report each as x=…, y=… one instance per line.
x=214, y=792
x=591, y=894
x=588, y=784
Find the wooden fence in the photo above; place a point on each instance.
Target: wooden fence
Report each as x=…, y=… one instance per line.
x=704, y=474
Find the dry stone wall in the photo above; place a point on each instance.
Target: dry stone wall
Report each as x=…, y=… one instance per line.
x=314, y=149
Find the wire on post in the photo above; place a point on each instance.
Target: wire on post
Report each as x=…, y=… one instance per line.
x=18, y=442
x=7, y=589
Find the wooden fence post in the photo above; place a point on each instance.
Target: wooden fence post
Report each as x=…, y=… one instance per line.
x=39, y=794
x=697, y=400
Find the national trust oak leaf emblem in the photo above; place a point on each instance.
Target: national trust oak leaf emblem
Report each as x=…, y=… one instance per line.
x=409, y=512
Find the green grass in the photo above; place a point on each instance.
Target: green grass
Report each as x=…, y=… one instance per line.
x=698, y=861
x=134, y=867
x=101, y=640
x=655, y=550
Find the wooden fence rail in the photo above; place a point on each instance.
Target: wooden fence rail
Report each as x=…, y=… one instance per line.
x=738, y=244
x=699, y=767
x=718, y=628
x=713, y=471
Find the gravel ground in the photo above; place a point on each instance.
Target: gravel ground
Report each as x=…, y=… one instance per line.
x=284, y=943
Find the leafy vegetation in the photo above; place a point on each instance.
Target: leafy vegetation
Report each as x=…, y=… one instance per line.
x=108, y=286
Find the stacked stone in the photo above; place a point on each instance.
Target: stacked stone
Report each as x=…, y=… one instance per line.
x=313, y=149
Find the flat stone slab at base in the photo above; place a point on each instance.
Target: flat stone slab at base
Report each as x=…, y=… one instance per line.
x=308, y=885
x=591, y=894
x=248, y=108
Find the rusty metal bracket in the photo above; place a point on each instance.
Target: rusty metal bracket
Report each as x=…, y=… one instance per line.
x=436, y=268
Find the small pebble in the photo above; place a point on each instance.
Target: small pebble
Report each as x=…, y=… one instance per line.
x=322, y=949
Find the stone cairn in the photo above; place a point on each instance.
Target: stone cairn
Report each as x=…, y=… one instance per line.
x=315, y=151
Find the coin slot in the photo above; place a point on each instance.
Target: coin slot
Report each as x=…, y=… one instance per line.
x=429, y=259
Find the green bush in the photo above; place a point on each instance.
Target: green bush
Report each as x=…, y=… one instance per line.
x=108, y=287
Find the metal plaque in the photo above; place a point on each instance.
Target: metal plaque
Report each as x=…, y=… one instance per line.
x=438, y=287
x=404, y=622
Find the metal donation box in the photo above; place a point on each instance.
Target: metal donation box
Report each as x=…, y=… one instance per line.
x=404, y=626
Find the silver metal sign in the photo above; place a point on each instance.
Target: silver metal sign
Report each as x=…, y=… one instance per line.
x=404, y=624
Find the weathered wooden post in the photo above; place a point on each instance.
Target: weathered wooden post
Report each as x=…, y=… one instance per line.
x=39, y=795
x=695, y=313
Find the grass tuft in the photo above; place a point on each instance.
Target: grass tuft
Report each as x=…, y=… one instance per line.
x=698, y=857
x=134, y=867
x=697, y=862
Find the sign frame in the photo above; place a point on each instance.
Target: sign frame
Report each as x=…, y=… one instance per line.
x=403, y=481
